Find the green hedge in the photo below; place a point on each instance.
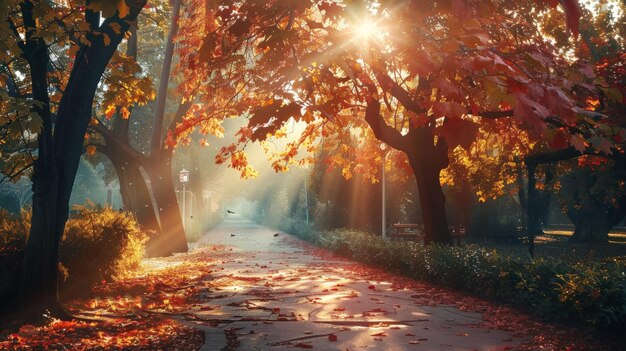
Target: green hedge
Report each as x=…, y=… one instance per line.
x=588, y=292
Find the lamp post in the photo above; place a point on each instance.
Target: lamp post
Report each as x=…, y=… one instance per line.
x=184, y=178
x=383, y=147
x=306, y=192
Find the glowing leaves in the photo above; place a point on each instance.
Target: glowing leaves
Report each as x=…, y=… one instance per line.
x=448, y=109
x=423, y=64
x=125, y=87
x=125, y=112
x=170, y=139
x=495, y=92
x=530, y=113
x=331, y=11
x=238, y=161
x=271, y=117
x=90, y=150
x=458, y=132
x=446, y=88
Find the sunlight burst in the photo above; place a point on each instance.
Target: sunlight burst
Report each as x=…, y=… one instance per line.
x=366, y=29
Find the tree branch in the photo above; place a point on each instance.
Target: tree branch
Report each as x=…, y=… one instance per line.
x=114, y=141
x=157, y=132
x=403, y=96
x=181, y=111
x=381, y=129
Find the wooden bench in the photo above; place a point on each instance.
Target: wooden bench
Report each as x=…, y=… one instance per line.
x=407, y=232
x=458, y=236
x=415, y=232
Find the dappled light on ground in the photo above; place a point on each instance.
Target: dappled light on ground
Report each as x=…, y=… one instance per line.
x=258, y=290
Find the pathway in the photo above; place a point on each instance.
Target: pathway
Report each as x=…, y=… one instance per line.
x=274, y=292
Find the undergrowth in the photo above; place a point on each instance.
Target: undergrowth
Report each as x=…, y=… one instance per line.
x=98, y=245
x=587, y=292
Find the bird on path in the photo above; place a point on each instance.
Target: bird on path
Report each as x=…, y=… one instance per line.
x=229, y=211
x=231, y=235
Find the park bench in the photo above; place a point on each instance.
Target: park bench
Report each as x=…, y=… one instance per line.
x=415, y=232
x=407, y=232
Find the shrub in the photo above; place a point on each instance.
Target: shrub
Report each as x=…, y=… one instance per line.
x=12, y=242
x=588, y=292
x=100, y=245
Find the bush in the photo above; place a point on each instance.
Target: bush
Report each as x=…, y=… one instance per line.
x=98, y=244
x=12, y=242
x=588, y=292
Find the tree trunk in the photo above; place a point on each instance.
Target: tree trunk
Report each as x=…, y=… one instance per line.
x=38, y=281
x=134, y=191
x=426, y=167
x=58, y=158
x=593, y=223
x=590, y=227
x=172, y=238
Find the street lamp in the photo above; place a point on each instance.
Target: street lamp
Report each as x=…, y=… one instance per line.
x=306, y=192
x=383, y=147
x=184, y=178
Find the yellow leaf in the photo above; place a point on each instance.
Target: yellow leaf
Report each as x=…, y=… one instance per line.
x=123, y=8
x=91, y=150
x=110, y=111
x=125, y=112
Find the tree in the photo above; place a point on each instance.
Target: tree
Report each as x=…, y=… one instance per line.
x=594, y=197
x=601, y=91
x=198, y=97
x=62, y=105
x=421, y=76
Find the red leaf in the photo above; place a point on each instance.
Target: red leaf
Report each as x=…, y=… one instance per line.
x=448, y=109
x=446, y=88
x=578, y=142
x=458, y=132
x=560, y=140
x=559, y=103
x=530, y=112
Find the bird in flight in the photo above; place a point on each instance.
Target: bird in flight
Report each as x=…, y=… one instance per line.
x=229, y=211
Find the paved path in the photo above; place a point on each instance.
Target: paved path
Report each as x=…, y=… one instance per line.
x=274, y=293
